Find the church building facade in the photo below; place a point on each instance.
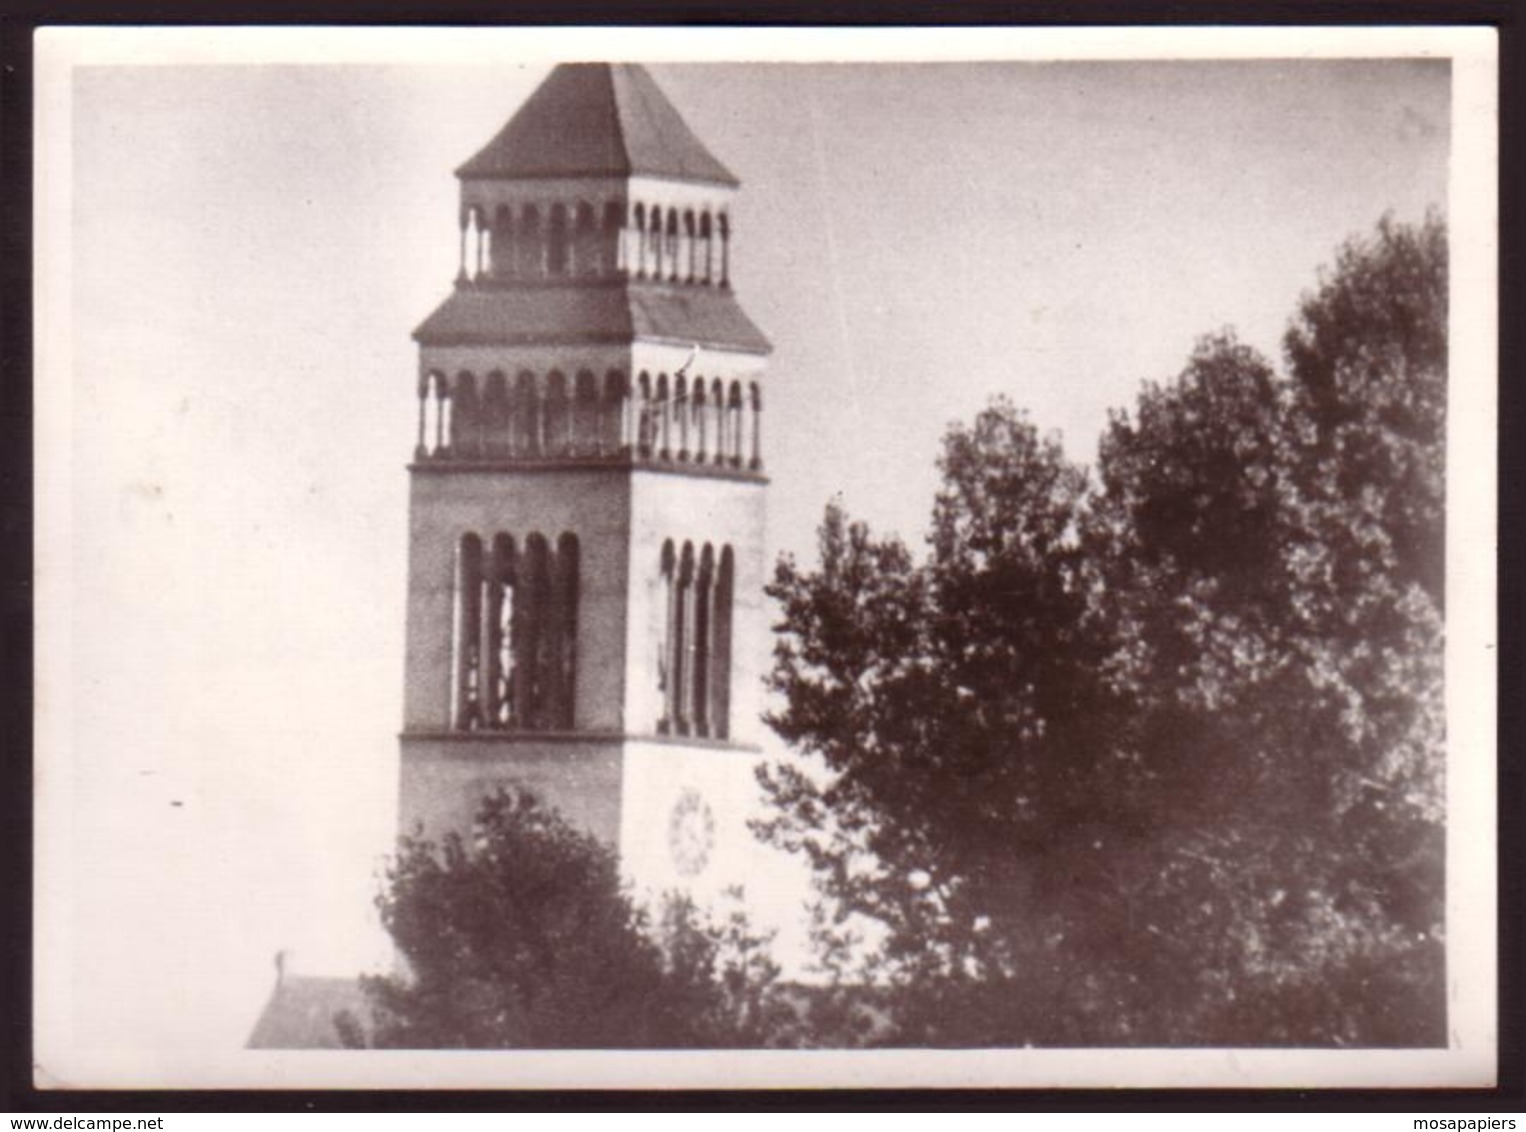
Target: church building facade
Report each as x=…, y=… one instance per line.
x=586, y=510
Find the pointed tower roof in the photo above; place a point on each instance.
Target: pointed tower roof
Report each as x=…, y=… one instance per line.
x=597, y=120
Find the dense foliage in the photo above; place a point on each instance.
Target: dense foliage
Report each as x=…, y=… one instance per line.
x=523, y=937
x=1151, y=756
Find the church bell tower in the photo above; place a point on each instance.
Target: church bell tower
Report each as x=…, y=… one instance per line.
x=586, y=510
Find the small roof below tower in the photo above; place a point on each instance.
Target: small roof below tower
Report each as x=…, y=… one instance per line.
x=597, y=120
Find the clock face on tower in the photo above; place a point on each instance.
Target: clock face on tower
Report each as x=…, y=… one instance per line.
x=691, y=833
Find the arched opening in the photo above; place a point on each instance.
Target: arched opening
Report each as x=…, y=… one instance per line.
x=465, y=422
x=703, y=628
x=724, y=227
x=646, y=424
x=637, y=255
x=484, y=244
x=555, y=433
x=690, y=246
x=529, y=251
x=670, y=247
x=668, y=575
x=498, y=634
x=531, y=639
x=431, y=421
x=756, y=397
x=557, y=242
x=475, y=245
x=503, y=243
x=661, y=411
x=525, y=417
x=652, y=260
x=495, y=416
x=613, y=435
x=700, y=413
x=683, y=640
x=585, y=413
x=467, y=689
x=587, y=258
x=705, y=240
x=720, y=646
x=681, y=415
x=566, y=605
x=443, y=416
x=613, y=256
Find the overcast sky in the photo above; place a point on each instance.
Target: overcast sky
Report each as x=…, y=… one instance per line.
x=253, y=247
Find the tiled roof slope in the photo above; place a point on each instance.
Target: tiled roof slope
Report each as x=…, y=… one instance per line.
x=597, y=119
x=620, y=312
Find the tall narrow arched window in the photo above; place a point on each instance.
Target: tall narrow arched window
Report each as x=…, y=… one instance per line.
x=699, y=411
x=704, y=584
x=585, y=413
x=668, y=606
x=646, y=423
x=529, y=247
x=525, y=414
x=531, y=643
x=652, y=261
x=465, y=420
x=755, y=396
x=557, y=242
x=613, y=256
x=484, y=244
x=552, y=643
x=662, y=412
x=467, y=683
x=498, y=635
x=720, y=645
x=555, y=427
x=707, y=252
x=586, y=253
x=670, y=247
x=723, y=228
x=503, y=242
x=680, y=415
x=683, y=641
x=441, y=415
x=614, y=433
x=495, y=416
x=638, y=248
x=691, y=246
x=566, y=628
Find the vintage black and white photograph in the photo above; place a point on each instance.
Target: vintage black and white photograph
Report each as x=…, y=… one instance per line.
x=677, y=557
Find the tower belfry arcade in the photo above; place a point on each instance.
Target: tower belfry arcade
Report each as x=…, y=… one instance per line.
x=586, y=513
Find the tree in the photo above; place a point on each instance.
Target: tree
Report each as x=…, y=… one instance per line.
x=949, y=705
x=1155, y=758
x=1257, y=676
x=523, y=937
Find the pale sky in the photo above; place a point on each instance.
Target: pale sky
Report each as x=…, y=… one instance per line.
x=252, y=247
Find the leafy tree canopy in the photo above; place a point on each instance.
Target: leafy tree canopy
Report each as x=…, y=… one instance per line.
x=1152, y=755
x=523, y=937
